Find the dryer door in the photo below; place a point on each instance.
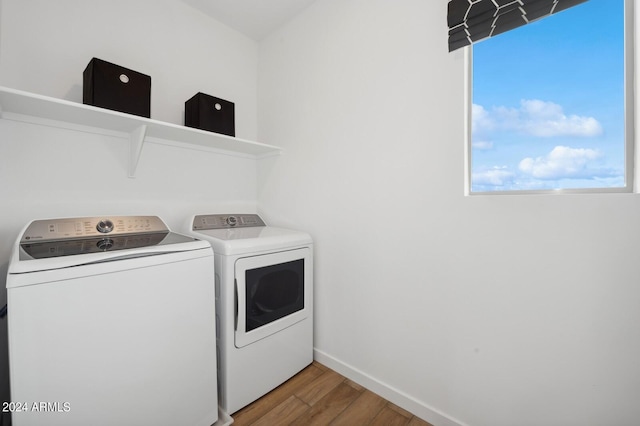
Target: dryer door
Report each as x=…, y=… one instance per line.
x=273, y=292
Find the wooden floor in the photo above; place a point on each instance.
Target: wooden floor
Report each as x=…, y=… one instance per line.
x=320, y=396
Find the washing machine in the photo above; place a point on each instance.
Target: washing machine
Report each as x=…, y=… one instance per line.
x=111, y=321
x=264, y=301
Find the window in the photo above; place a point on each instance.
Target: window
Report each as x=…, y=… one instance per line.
x=548, y=104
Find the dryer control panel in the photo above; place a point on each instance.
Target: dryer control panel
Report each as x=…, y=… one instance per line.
x=82, y=227
x=225, y=221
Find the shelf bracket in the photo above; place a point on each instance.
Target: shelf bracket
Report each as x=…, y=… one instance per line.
x=136, y=142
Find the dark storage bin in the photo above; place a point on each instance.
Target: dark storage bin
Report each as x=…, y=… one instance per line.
x=111, y=86
x=210, y=113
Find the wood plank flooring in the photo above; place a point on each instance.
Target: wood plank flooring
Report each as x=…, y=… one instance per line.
x=320, y=396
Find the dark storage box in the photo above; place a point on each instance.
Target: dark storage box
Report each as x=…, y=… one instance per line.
x=111, y=86
x=210, y=113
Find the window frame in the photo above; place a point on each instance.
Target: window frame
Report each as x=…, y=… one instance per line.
x=631, y=154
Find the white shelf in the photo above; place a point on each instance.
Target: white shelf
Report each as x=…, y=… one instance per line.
x=24, y=106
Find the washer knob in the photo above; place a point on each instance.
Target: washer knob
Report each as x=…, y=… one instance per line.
x=105, y=244
x=232, y=221
x=104, y=226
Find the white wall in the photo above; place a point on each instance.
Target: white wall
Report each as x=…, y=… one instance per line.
x=484, y=310
x=53, y=172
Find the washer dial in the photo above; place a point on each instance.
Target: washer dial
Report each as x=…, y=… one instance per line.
x=105, y=244
x=104, y=226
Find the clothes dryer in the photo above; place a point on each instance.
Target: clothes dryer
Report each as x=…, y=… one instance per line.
x=264, y=302
x=111, y=322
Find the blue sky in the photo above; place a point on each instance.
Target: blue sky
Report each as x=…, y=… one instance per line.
x=548, y=102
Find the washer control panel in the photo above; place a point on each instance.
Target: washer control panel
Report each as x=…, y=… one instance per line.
x=81, y=227
x=226, y=221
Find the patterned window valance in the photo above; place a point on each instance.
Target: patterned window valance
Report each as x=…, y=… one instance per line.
x=473, y=20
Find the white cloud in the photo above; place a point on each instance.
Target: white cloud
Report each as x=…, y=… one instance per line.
x=548, y=119
x=496, y=176
x=562, y=162
x=481, y=119
x=534, y=117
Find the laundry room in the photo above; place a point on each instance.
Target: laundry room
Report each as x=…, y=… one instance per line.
x=492, y=310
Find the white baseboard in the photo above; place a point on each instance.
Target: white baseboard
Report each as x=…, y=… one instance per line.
x=389, y=393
